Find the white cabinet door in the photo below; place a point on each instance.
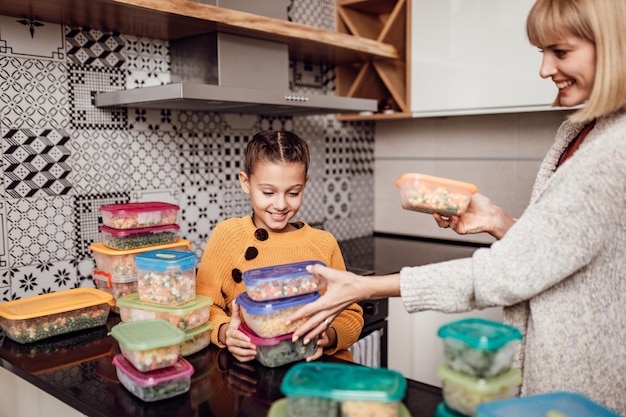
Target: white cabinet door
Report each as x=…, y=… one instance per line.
x=473, y=57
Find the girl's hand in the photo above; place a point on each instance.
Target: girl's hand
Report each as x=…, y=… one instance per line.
x=238, y=343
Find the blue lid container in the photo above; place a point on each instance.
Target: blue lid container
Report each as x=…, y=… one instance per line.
x=163, y=259
x=556, y=404
x=281, y=281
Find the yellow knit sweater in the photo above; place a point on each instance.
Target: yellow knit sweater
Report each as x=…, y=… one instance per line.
x=224, y=260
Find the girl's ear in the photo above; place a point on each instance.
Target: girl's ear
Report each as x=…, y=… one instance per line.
x=244, y=181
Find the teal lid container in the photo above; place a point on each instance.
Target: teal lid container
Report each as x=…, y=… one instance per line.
x=163, y=259
x=343, y=382
x=147, y=334
x=480, y=334
x=555, y=404
x=444, y=411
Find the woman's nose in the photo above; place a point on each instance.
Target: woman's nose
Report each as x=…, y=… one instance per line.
x=547, y=68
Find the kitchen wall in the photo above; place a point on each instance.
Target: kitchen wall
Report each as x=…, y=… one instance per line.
x=62, y=158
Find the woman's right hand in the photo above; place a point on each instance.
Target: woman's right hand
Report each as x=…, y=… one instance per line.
x=481, y=216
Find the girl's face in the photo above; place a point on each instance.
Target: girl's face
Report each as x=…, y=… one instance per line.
x=276, y=192
x=571, y=63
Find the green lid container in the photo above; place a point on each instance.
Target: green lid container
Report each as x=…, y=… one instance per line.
x=147, y=334
x=343, y=382
x=480, y=334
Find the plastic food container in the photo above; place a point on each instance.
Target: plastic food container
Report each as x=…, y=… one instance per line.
x=154, y=385
x=196, y=339
x=282, y=281
x=116, y=285
x=556, y=404
x=185, y=316
x=42, y=316
x=149, y=344
x=279, y=350
x=334, y=389
x=267, y=318
x=135, y=215
x=166, y=277
x=479, y=347
x=123, y=239
x=444, y=411
x=428, y=194
x=121, y=263
x=463, y=392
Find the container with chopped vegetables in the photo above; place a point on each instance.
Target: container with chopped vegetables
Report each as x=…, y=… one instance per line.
x=116, y=285
x=166, y=277
x=196, y=339
x=336, y=389
x=479, y=347
x=185, y=316
x=122, y=262
x=149, y=344
x=267, y=318
x=123, y=239
x=279, y=350
x=429, y=194
x=42, y=316
x=154, y=385
x=282, y=281
x=463, y=392
x=135, y=215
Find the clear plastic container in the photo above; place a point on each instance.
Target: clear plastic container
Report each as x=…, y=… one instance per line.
x=196, y=339
x=554, y=404
x=267, y=318
x=116, y=285
x=185, y=316
x=463, y=392
x=154, y=385
x=166, y=277
x=149, y=344
x=429, y=194
x=479, y=347
x=334, y=389
x=280, y=350
x=42, y=316
x=121, y=263
x=282, y=281
x=135, y=215
x=124, y=239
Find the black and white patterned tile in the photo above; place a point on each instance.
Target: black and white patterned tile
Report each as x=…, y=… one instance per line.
x=44, y=278
x=4, y=244
x=33, y=93
x=317, y=13
x=100, y=161
x=199, y=214
x=35, y=162
x=30, y=38
x=152, y=159
x=153, y=119
x=147, y=61
x=93, y=47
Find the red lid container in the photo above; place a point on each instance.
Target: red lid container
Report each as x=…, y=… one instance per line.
x=135, y=215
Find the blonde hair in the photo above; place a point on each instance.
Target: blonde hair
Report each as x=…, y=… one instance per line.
x=602, y=22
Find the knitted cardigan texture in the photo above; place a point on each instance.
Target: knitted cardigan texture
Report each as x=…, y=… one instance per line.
x=559, y=272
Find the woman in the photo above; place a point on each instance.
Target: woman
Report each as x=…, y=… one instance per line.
x=559, y=270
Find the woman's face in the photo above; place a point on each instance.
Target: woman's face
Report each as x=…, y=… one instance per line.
x=276, y=192
x=571, y=63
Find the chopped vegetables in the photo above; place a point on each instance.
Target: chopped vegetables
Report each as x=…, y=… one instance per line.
x=169, y=288
x=135, y=215
x=123, y=239
x=429, y=194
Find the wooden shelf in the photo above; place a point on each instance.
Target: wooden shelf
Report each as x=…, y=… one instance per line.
x=173, y=19
x=383, y=79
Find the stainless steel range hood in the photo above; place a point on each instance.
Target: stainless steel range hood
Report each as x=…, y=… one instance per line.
x=221, y=72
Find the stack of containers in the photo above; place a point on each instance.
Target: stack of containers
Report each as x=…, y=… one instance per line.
x=273, y=294
x=477, y=369
x=127, y=230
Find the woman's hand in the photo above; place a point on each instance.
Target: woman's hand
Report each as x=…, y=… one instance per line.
x=481, y=216
x=238, y=343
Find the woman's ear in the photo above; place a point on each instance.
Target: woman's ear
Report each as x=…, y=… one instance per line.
x=244, y=181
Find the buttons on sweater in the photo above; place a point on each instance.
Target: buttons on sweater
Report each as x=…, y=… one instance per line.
x=237, y=275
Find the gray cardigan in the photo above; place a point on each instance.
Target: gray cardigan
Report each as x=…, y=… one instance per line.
x=559, y=272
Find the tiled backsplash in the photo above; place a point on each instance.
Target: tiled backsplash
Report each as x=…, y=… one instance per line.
x=63, y=158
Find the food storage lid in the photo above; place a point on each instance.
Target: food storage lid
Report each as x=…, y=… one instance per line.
x=121, y=209
x=262, y=341
x=163, y=259
x=480, y=334
x=472, y=383
x=443, y=410
x=191, y=333
x=555, y=404
x=53, y=303
x=121, y=233
x=132, y=301
x=100, y=248
x=340, y=381
x=444, y=182
x=278, y=272
x=147, y=334
x=271, y=306
x=181, y=369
